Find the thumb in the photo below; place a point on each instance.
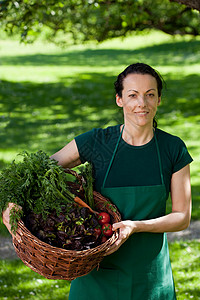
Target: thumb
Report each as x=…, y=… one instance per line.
x=116, y=226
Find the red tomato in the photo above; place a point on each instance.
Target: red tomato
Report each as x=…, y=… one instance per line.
x=104, y=239
x=97, y=231
x=107, y=229
x=103, y=218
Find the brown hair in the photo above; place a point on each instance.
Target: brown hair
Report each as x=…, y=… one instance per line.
x=138, y=68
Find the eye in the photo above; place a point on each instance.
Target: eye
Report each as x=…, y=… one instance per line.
x=134, y=96
x=150, y=95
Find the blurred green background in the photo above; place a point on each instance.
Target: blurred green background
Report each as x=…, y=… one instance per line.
x=48, y=95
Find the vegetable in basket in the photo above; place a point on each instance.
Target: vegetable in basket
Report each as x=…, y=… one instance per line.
x=51, y=210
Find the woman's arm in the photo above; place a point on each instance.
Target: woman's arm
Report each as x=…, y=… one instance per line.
x=177, y=220
x=68, y=156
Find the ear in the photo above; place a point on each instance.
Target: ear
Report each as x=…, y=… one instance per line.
x=159, y=100
x=119, y=101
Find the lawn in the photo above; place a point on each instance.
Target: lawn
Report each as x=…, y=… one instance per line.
x=19, y=282
x=48, y=95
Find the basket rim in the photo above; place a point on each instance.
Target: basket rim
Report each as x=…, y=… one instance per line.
x=22, y=229
x=66, y=261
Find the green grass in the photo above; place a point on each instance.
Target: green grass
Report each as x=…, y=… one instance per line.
x=49, y=95
x=185, y=258
x=19, y=282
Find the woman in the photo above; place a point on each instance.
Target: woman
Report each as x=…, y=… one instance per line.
x=136, y=165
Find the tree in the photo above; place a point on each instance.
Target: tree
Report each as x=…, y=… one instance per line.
x=191, y=3
x=84, y=20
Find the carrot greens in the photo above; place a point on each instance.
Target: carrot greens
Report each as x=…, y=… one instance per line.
x=52, y=206
x=37, y=183
x=87, y=173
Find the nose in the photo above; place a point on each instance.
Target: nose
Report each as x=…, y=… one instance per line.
x=142, y=101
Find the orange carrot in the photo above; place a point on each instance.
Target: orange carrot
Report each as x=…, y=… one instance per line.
x=83, y=204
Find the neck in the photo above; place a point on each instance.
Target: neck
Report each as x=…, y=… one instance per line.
x=137, y=136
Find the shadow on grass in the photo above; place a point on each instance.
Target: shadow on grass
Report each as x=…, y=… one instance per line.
x=19, y=282
x=49, y=115
x=186, y=270
x=182, y=94
x=165, y=54
x=195, y=201
x=34, y=114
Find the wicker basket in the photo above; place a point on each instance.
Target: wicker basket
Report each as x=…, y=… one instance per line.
x=56, y=263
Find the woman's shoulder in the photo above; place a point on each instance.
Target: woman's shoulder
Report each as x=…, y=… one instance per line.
x=105, y=132
x=167, y=138
x=96, y=140
x=108, y=130
x=100, y=134
x=173, y=148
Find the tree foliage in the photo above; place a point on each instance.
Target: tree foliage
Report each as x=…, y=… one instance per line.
x=83, y=20
x=191, y=3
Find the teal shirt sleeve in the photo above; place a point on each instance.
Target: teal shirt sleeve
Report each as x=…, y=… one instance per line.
x=180, y=156
x=97, y=146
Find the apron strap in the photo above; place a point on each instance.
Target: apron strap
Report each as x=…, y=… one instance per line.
x=115, y=150
x=159, y=159
x=113, y=156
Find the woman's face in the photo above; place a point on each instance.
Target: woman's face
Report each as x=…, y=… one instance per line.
x=139, y=99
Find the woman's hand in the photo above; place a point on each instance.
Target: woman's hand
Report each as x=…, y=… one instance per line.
x=126, y=228
x=6, y=215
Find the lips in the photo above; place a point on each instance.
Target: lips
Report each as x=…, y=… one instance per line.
x=141, y=113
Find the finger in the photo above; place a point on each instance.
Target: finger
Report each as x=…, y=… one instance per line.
x=18, y=237
x=119, y=242
x=14, y=205
x=116, y=226
x=111, y=250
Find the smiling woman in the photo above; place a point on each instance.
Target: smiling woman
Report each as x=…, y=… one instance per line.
x=139, y=99
x=136, y=165
x=154, y=85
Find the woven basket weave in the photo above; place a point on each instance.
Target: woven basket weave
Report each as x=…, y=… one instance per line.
x=56, y=263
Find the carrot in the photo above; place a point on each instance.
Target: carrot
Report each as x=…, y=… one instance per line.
x=71, y=197
x=80, y=202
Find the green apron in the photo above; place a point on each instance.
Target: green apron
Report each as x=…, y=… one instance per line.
x=140, y=268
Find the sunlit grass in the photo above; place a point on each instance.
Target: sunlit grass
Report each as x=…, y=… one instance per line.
x=185, y=257
x=18, y=282
x=48, y=95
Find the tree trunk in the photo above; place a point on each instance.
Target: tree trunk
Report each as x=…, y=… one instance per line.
x=190, y=3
